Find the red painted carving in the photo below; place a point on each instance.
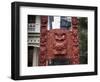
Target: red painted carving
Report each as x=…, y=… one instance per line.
x=43, y=41
x=74, y=42
x=56, y=43
x=59, y=43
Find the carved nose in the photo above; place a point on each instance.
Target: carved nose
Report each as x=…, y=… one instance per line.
x=60, y=39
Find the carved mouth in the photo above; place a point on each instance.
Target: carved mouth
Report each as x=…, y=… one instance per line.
x=59, y=55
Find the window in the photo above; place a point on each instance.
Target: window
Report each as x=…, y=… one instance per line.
x=65, y=22
x=31, y=18
x=31, y=22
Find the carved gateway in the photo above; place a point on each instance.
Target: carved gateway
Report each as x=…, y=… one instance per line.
x=59, y=44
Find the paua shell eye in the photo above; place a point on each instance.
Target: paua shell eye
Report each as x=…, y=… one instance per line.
x=63, y=35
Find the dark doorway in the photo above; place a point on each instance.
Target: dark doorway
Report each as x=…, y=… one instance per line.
x=30, y=56
x=59, y=61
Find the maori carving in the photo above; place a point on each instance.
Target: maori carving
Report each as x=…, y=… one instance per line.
x=43, y=41
x=74, y=42
x=59, y=43
x=56, y=43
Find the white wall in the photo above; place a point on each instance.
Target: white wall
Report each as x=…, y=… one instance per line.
x=5, y=42
x=38, y=24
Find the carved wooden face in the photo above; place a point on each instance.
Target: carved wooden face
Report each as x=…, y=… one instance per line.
x=60, y=42
x=57, y=43
x=59, y=35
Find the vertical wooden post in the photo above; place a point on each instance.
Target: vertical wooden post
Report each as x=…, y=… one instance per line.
x=43, y=41
x=74, y=39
